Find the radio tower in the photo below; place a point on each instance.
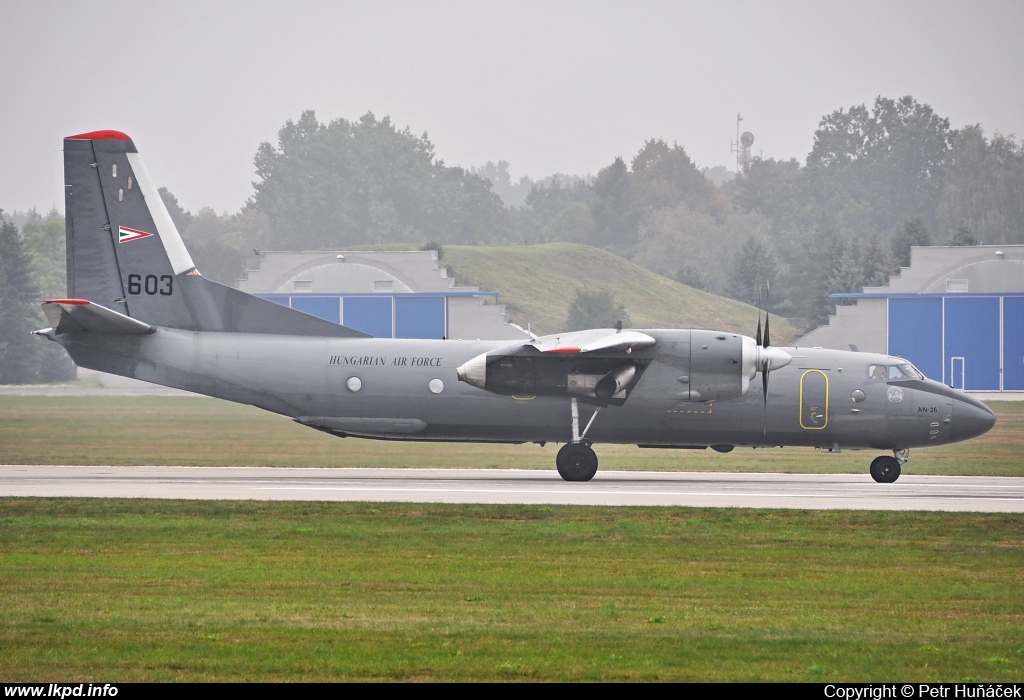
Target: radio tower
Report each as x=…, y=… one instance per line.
x=741, y=147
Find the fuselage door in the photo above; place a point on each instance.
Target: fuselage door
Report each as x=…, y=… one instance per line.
x=813, y=400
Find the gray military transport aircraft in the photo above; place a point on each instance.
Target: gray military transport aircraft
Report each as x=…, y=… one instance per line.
x=137, y=307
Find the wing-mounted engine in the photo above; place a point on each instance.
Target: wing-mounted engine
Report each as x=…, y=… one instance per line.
x=598, y=365
x=716, y=366
x=605, y=366
x=723, y=364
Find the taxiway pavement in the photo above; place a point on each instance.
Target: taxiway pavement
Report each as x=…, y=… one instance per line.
x=608, y=488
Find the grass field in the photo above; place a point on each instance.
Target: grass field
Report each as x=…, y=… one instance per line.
x=142, y=590
x=92, y=430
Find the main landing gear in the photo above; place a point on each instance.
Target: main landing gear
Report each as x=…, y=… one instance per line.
x=886, y=469
x=576, y=461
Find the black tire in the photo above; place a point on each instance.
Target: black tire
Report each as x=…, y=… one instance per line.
x=885, y=469
x=576, y=462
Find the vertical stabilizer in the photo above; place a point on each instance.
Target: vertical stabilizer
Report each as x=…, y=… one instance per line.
x=125, y=253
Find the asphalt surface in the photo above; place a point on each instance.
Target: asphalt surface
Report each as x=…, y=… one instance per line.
x=609, y=488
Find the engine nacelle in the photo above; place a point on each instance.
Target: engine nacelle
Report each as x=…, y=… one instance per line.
x=684, y=366
x=723, y=364
x=716, y=362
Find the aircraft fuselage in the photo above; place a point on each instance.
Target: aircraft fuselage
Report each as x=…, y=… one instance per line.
x=409, y=389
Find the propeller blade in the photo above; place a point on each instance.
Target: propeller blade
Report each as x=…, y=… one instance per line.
x=767, y=341
x=757, y=338
x=764, y=381
x=767, y=305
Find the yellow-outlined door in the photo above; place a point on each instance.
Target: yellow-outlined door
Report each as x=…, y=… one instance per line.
x=813, y=400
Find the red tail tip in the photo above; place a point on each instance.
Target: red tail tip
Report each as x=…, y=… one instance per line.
x=102, y=135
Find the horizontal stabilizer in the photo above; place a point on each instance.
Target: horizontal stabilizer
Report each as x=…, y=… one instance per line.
x=79, y=315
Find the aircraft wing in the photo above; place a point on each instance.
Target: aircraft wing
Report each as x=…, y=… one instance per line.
x=600, y=339
x=77, y=315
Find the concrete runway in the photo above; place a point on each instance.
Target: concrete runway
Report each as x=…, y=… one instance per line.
x=610, y=488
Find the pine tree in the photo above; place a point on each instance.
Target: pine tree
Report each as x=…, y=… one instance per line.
x=910, y=233
x=594, y=309
x=963, y=236
x=878, y=262
x=18, y=363
x=753, y=267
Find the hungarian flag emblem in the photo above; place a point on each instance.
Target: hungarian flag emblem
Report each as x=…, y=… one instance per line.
x=125, y=234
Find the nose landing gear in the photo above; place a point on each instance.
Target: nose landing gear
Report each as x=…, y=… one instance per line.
x=886, y=469
x=576, y=461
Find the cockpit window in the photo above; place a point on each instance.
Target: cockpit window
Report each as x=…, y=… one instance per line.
x=910, y=371
x=896, y=373
x=903, y=370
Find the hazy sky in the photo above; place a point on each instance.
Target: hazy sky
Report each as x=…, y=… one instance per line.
x=548, y=86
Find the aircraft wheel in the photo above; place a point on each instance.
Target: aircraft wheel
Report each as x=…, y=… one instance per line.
x=885, y=469
x=576, y=462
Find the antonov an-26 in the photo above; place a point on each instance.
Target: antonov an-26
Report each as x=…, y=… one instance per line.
x=137, y=307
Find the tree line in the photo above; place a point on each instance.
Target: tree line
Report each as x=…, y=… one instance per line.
x=877, y=181
x=31, y=269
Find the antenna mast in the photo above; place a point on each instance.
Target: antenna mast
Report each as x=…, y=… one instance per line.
x=741, y=147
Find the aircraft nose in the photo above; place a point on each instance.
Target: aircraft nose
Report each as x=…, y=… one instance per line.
x=971, y=419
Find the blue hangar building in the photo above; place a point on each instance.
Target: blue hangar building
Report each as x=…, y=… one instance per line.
x=957, y=313
x=386, y=294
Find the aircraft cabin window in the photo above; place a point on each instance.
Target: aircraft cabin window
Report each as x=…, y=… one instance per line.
x=876, y=372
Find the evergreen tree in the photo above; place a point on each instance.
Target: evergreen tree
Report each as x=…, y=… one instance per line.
x=910, y=233
x=616, y=218
x=878, y=262
x=18, y=363
x=963, y=236
x=596, y=309
x=753, y=266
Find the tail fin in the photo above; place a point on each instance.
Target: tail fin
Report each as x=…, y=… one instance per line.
x=125, y=253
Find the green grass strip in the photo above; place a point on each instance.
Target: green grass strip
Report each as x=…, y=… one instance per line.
x=119, y=590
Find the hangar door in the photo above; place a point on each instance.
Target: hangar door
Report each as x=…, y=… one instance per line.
x=372, y=315
x=1013, y=343
x=972, y=343
x=957, y=339
x=326, y=307
x=915, y=333
x=396, y=316
x=420, y=317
